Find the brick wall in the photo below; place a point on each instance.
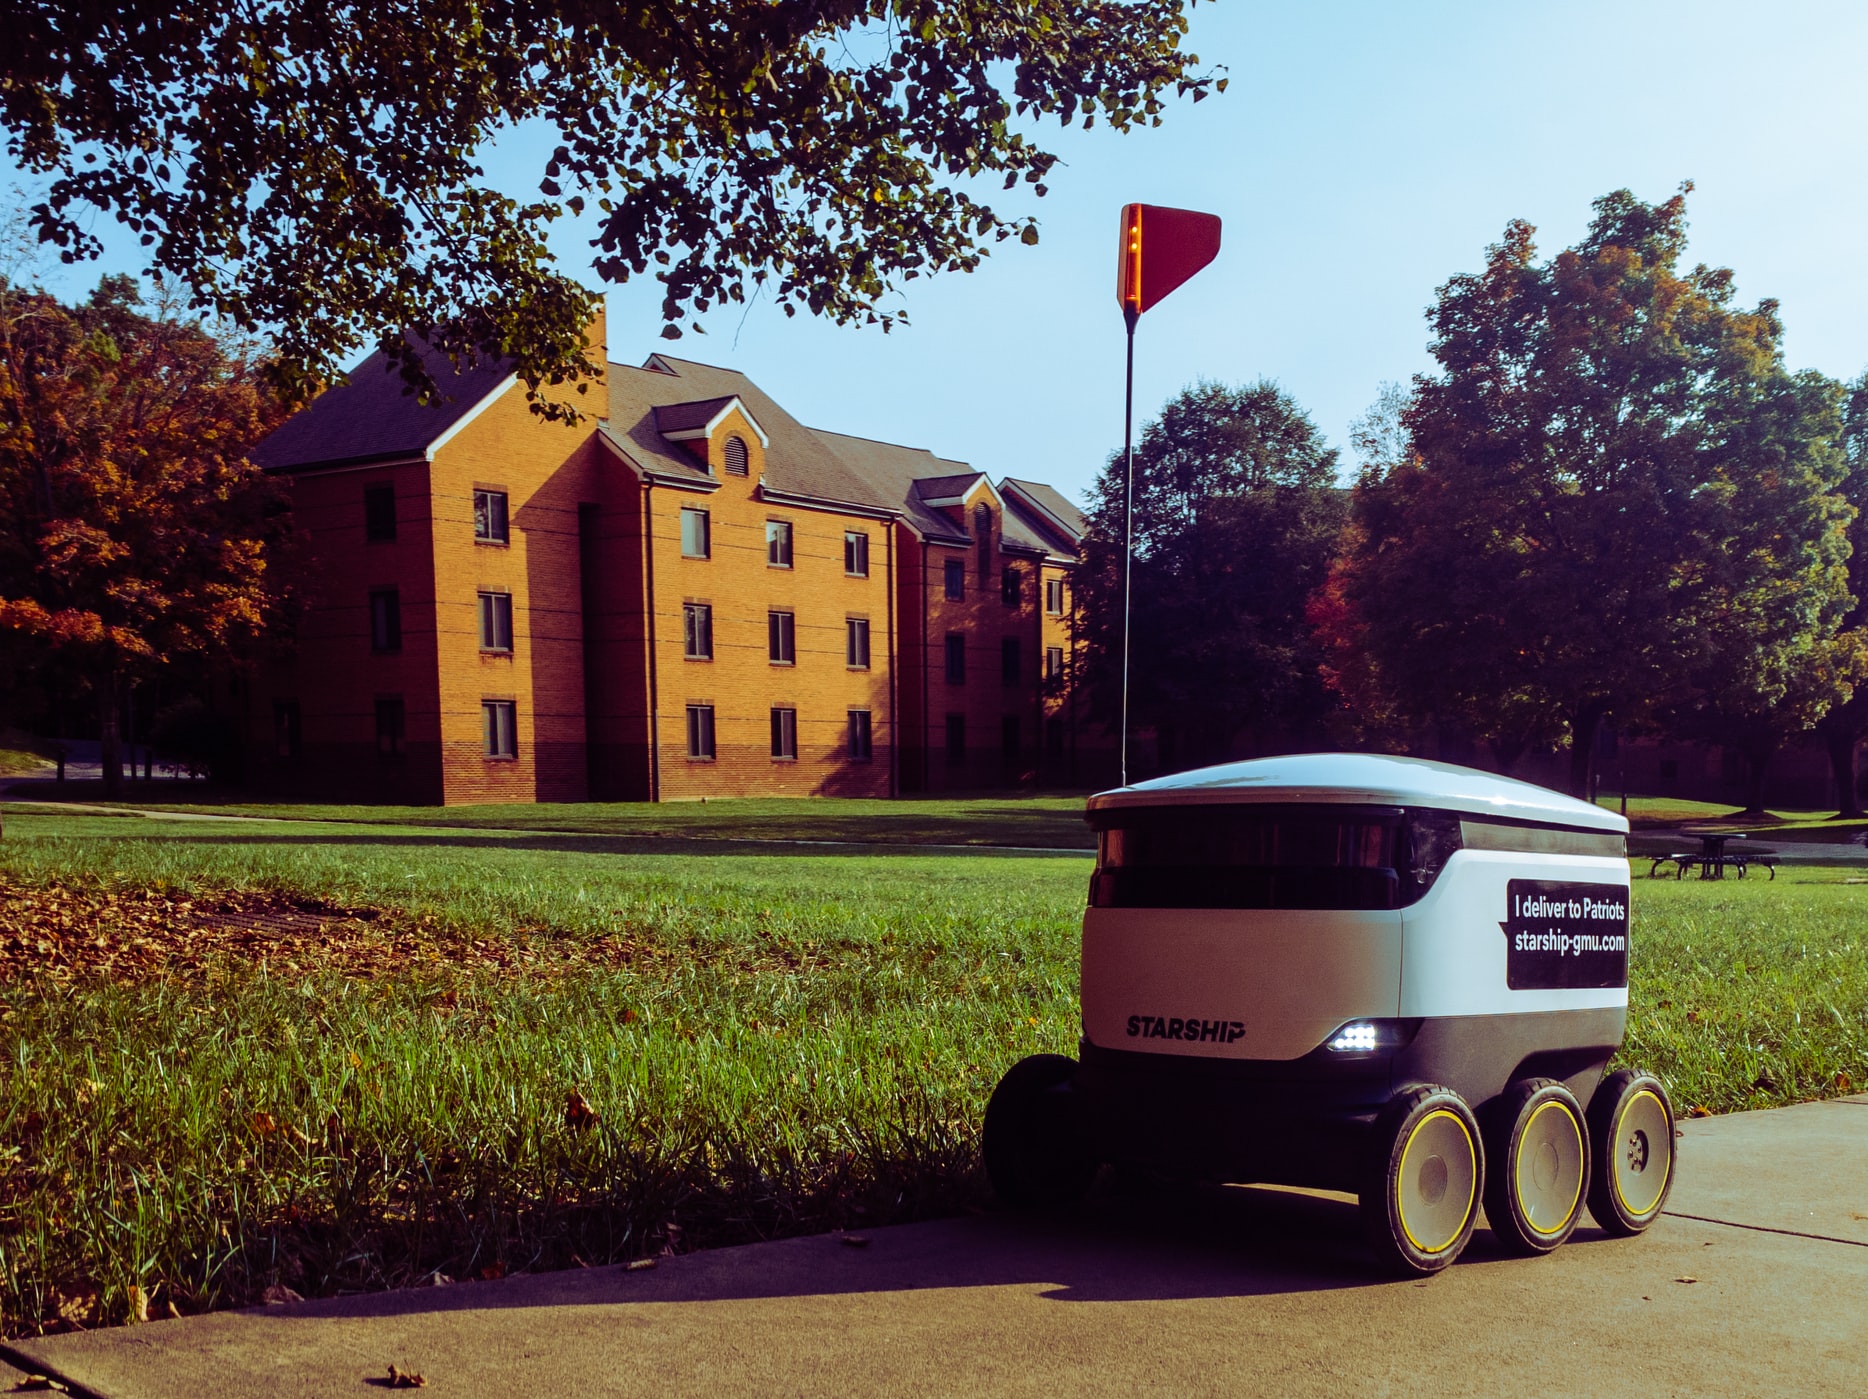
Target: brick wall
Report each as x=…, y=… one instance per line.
x=741, y=682
x=331, y=673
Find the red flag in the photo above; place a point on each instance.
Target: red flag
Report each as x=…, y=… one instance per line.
x=1161, y=248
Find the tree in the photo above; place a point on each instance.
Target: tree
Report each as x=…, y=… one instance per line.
x=1843, y=727
x=1618, y=499
x=133, y=532
x=311, y=168
x=1235, y=517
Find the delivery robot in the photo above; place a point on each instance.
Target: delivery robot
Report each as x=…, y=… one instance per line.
x=1383, y=975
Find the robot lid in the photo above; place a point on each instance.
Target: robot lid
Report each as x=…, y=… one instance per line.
x=1363, y=779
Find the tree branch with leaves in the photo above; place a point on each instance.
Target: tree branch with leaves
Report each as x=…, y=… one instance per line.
x=313, y=170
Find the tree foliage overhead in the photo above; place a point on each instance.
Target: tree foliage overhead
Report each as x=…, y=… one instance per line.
x=312, y=168
x=1235, y=519
x=133, y=531
x=1618, y=499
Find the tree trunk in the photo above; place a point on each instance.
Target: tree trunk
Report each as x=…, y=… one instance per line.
x=1842, y=748
x=1757, y=763
x=110, y=742
x=1585, y=724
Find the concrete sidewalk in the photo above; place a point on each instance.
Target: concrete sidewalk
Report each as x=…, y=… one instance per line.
x=1755, y=1283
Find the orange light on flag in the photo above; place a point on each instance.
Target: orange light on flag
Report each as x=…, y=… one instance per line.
x=1161, y=248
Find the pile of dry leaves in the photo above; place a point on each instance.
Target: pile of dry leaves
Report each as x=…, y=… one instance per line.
x=73, y=932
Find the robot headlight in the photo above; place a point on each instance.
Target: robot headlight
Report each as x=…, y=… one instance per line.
x=1368, y=1036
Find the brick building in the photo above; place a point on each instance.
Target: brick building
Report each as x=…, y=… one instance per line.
x=688, y=594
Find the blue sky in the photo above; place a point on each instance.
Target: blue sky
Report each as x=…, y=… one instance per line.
x=1362, y=154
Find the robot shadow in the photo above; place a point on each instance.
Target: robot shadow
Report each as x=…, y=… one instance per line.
x=1161, y=1243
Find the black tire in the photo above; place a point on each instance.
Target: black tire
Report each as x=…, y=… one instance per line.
x=1537, y=1151
x=1424, y=1174
x=1631, y=1140
x=1035, y=1147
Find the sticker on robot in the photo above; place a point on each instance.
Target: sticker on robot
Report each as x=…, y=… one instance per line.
x=1561, y=936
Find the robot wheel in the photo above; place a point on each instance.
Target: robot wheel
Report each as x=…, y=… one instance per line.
x=1538, y=1148
x=1425, y=1172
x=1035, y=1147
x=1631, y=1138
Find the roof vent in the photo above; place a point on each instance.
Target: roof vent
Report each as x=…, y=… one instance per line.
x=736, y=456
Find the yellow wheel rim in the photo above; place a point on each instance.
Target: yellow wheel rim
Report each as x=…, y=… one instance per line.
x=1437, y=1183
x=1549, y=1175
x=1641, y=1153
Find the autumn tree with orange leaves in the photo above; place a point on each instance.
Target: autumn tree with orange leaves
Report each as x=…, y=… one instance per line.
x=134, y=533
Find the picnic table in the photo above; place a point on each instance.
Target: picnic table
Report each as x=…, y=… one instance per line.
x=1713, y=859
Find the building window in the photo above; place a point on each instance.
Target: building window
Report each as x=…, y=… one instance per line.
x=982, y=531
x=781, y=638
x=778, y=543
x=496, y=621
x=696, y=534
x=697, y=631
x=956, y=659
x=861, y=744
x=737, y=458
x=285, y=730
x=1008, y=661
x=489, y=516
x=956, y=740
x=856, y=553
x=379, y=513
x=500, y=719
x=856, y=643
x=955, y=577
x=1054, y=596
x=385, y=620
x=1053, y=663
x=785, y=733
x=700, y=731
x=391, y=722
x=1011, y=587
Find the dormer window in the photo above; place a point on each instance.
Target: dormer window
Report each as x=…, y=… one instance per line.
x=982, y=531
x=737, y=457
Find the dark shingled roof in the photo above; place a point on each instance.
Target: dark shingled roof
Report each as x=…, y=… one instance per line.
x=684, y=417
x=895, y=474
x=948, y=487
x=1047, y=515
x=373, y=418
x=796, y=461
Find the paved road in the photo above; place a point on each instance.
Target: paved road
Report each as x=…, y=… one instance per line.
x=1756, y=1283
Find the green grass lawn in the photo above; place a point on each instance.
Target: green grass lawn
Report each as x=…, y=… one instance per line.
x=1040, y=820
x=770, y=1043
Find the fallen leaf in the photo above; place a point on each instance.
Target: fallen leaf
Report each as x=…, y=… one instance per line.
x=40, y=1383
x=579, y=1116
x=1697, y=1111
x=1844, y=1084
x=75, y=1311
x=493, y=1272
x=406, y=1379
x=263, y=1124
x=139, y=1304
x=1686, y=1279
x=855, y=1241
x=278, y=1295
x=637, y=1265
